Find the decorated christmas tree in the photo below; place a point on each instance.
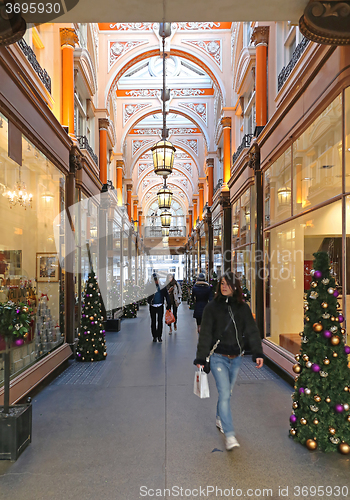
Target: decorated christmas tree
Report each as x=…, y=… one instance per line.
x=130, y=301
x=92, y=343
x=142, y=293
x=321, y=401
x=184, y=290
x=190, y=300
x=214, y=282
x=246, y=292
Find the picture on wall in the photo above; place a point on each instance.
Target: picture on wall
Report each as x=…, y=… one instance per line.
x=46, y=267
x=11, y=262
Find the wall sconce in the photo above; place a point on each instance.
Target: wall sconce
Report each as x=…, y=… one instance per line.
x=284, y=195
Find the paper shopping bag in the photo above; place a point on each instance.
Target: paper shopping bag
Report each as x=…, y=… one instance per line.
x=201, y=385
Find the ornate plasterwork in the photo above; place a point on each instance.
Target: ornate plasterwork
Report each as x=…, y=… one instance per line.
x=143, y=93
x=212, y=48
x=186, y=92
x=199, y=108
x=132, y=26
x=94, y=28
x=118, y=48
x=130, y=109
x=188, y=167
x=190, y=143
x=197, y=26
x=142, y=167
x=206, y=26
x=147, y=131
x=183, y=131
x=136, y=145
x=146, y=156
x=182, y=155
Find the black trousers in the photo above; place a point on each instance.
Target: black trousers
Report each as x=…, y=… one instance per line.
x=156, y=326
x=174, y=308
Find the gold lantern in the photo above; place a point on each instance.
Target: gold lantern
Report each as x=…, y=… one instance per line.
x=284, y=195
x=163, y=157
x=165, y=218
x=165, y=231
x=164, y=197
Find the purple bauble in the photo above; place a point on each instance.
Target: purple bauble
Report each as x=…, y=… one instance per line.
x=293, y=419
x=19, y=341
x=318, y=275
x=83, y=315
x=301, y=390
x=336, y=293
x=17, y=311
x=341, y=318
x=327, y=334
x=85, y=333
x=315, y=368
x=103, y=331
x=339, y=408
x=79, y=354
x=92, y=322
x=347, y=349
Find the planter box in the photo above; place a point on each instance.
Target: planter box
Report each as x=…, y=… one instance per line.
x=112, y=325
x=15, y=431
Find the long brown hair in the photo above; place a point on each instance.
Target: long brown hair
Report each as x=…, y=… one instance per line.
x=234, y=284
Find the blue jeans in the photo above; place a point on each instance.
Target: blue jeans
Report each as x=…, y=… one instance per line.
x=225, y=372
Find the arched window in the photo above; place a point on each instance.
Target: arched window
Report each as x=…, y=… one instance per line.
x=153, y=215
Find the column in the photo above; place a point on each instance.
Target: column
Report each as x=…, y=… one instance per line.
x=201, y=199
x=226, y=230
x=128, y=199
x=226, y=124
x=140, y=222
x=195, y=214
x=190, y=222
x=210, y=180
x=119, y=187
x=68, y=41
x=260, y=38
x=134, y=215
x=103, y=124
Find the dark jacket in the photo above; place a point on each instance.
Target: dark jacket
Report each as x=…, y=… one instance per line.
x=201, y=293
x=217, y=323
x=164, y=295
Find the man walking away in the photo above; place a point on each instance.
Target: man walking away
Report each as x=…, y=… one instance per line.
x=156, y=308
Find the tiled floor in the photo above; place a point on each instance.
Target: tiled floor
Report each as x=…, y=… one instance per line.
x=121, y=428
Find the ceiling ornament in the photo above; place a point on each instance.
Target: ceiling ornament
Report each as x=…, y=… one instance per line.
x=199, y=108
x=132, y=26
x=143, y=93
x=212, y=48
x=142, y=167
x=197, y=26
x=146, y=156
x=184, y=131
x=147, y=131
x=190, y=143
x=116, y=49
x=188, y=167
x=182, y=155
x=136, y=145
x=186, y=92
x=130, y=110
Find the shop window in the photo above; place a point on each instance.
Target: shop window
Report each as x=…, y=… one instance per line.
x=235, y=211
x=347, y=139
x=289, y=257
x=317, y=160
x=277, y=188
x=31, y=247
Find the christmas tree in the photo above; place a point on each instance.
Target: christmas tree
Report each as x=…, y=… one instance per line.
x=143, y=293
x=214, y=282
x=246, y=292
x=321, y=401
x=190, y=300
x=92, y=343
x=130, y=301
x=184, y=290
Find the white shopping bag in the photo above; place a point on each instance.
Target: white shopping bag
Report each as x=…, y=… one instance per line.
x=201, y=385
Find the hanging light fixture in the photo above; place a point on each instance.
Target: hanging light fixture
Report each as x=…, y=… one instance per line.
x=284, y=195
x=19, y=194
x=163, y=151
x=164, y=196
x=235, y=228
x=165, y=231
x=165, y=217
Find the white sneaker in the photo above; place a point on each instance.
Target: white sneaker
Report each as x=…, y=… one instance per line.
x=231, y=442
x=219, y=424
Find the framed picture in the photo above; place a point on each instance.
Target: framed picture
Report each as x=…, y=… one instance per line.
x=46, y=267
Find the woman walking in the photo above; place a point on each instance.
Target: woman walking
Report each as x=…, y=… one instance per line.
x=202, y=293
x=174, y=291
x=226, y=319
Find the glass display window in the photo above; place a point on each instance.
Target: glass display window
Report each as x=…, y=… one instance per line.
x=217, y=240
x=278, y=190
x=244, y=215
x=347, y=138
x=33, y=195
x=289, y=258
x=317, y=160
x=235, y=211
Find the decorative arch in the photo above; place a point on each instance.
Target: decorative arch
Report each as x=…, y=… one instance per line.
x=148, y=171
x=171, y=110
x=175, y=51
x=147, y=148
x=153, y=199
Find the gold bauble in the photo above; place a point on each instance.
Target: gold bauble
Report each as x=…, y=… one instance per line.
x=296, y=378
x=313, y=284
x=336, y=319
x=335, y=355
x=317, y=398
x=344, y=448
x=96, y=351
x=301, y=334
x=297, y=357
x=328, y=399
x=348, y=418
x=105, y=354
x=317, y=327
x=342, y=331
x=335, y=340
x=95, y=314
x=331, y=430
x=91, y=318
x=303, y=421
x=305, y=357
x=330, y=290
x=324, y=305
x=293, y=432
x=311, y=444
x=307, y=318
x=306, y=307
x=326, y=361
x=295, y=405
x=296, y=368
x=316, y=421
x=308, y=364
x=346, y=388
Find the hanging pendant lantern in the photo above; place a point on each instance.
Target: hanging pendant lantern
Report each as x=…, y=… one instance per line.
x=164, y=197
x=165, y=231
x=165, y=217
x=284, y=195
x=163, y=157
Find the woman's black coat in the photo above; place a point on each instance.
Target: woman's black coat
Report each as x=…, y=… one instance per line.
x=202, y=293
